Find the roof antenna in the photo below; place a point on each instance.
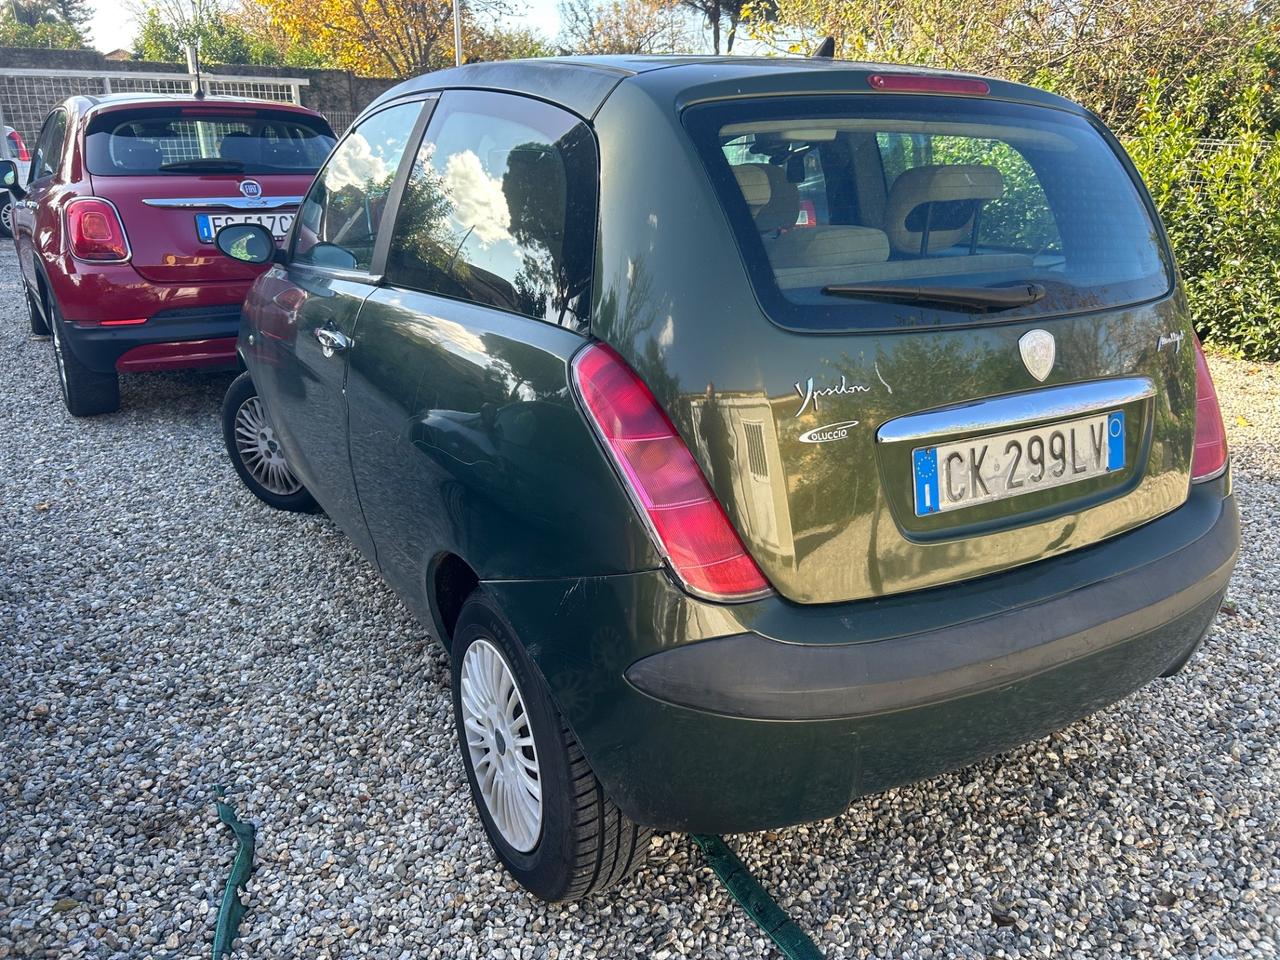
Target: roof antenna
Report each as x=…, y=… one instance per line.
x=193, y=68
x=826, y=49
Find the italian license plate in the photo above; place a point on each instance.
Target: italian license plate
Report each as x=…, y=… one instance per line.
x=968, y=472
x=208, y=224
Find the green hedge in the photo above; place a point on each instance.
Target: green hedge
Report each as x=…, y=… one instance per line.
x=1220, y=201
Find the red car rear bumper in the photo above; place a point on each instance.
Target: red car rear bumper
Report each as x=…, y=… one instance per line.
x=114, y=320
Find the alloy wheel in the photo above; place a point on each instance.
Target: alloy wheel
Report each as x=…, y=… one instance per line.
x=6, y=216
x=500, y=745
x=260, y=451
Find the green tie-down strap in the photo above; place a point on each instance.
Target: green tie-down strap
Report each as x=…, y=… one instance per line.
x=760, y=907
x=232, y=909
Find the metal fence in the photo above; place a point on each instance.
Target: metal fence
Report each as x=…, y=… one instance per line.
x=340, y=119
x=27, y=96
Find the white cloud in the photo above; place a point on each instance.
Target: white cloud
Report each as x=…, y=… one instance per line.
x=355, y=165
x=478, y=200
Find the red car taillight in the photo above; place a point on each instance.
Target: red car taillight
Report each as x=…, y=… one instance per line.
x=94, y=231
x=1210, y=455
x=687, y=521
x=16, y=139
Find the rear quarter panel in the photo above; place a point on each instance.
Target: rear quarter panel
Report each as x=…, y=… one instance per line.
x=465, y=439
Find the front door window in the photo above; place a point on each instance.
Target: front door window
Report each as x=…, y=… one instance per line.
x=339, y=219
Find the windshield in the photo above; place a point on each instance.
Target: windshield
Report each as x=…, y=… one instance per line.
x=182, y=141
x=872, y=210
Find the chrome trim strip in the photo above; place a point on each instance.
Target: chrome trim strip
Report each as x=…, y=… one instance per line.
x=1017, y=409
x=230, y=203
x=1216, y=474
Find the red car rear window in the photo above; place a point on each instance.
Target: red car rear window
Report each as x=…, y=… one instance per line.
x=174, y=141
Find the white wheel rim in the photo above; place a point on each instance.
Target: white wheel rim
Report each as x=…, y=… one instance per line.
x=260, y=452
x=500, y=745
x=6, y=216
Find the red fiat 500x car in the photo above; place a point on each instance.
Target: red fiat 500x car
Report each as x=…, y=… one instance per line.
x=114, y=228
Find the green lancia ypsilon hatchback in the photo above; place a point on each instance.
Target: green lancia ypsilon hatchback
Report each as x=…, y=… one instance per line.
x=754, y=434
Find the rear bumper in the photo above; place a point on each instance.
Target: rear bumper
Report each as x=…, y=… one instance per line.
x=172, y=339
x=750, y=676
x=767, y=714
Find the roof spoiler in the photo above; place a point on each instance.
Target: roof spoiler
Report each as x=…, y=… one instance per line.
x=826, y=50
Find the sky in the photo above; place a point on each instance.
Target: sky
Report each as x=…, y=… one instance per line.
x=114, y=27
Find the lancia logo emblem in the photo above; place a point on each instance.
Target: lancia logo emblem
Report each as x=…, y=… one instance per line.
x=252, y=189
x=1038, y=351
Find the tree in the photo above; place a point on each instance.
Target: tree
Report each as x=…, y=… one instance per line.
x=220, y=36
x=57, y=24
x=259, y=24
x=714, y=13
x=78, y=13
x=1097, y=51
x=498, y=43
x=624, y=26
x=387, y=38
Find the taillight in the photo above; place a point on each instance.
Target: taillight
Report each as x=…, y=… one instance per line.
x=19, y=145
x=94, y=230
x=927, y=83
x=1210, y=456
x=686, y=520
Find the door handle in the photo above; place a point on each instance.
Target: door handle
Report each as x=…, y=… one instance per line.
x=332, y=341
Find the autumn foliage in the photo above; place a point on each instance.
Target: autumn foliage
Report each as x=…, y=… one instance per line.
x=396, y=38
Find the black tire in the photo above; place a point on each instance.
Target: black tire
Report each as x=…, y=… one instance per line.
x=39, y=327
x=87, y=393
x=6, y=214
x=289, y=493
x=586, y=843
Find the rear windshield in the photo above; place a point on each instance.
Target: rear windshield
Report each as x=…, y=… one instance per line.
x=143, y=143
x=880, y=210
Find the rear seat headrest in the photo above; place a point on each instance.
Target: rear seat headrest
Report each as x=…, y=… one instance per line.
x=773, y=200
x=753, y=181
x=956, y=191
x=136, y=156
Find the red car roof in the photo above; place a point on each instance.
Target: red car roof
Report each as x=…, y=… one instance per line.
x=116, y=101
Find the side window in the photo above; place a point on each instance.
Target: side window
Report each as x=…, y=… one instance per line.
x=338, y=222
x=812, y=187
x=44, y=162
x=791, y=176
x=500, y=207
x=900, y=152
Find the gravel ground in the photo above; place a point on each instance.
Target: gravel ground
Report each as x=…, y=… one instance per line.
x=162, y=632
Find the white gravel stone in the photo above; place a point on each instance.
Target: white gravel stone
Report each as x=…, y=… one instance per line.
x=162, y=632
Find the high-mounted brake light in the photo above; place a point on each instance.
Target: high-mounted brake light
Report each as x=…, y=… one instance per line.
x=94, y=231
x=1210, y=456
x=926, y=83
x=666, y=484
x=230, y=112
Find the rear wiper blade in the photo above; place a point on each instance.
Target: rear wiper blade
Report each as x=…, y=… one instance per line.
x=971, y=298
x=204, y=163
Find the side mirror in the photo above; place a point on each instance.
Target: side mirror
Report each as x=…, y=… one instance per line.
x=247, y=242
x=9, y=179
x=330, y=255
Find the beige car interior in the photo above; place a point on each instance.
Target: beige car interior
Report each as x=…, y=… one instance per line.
x=926, y=214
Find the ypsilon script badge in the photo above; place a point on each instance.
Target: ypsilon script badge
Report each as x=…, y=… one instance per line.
x=1038, y=351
